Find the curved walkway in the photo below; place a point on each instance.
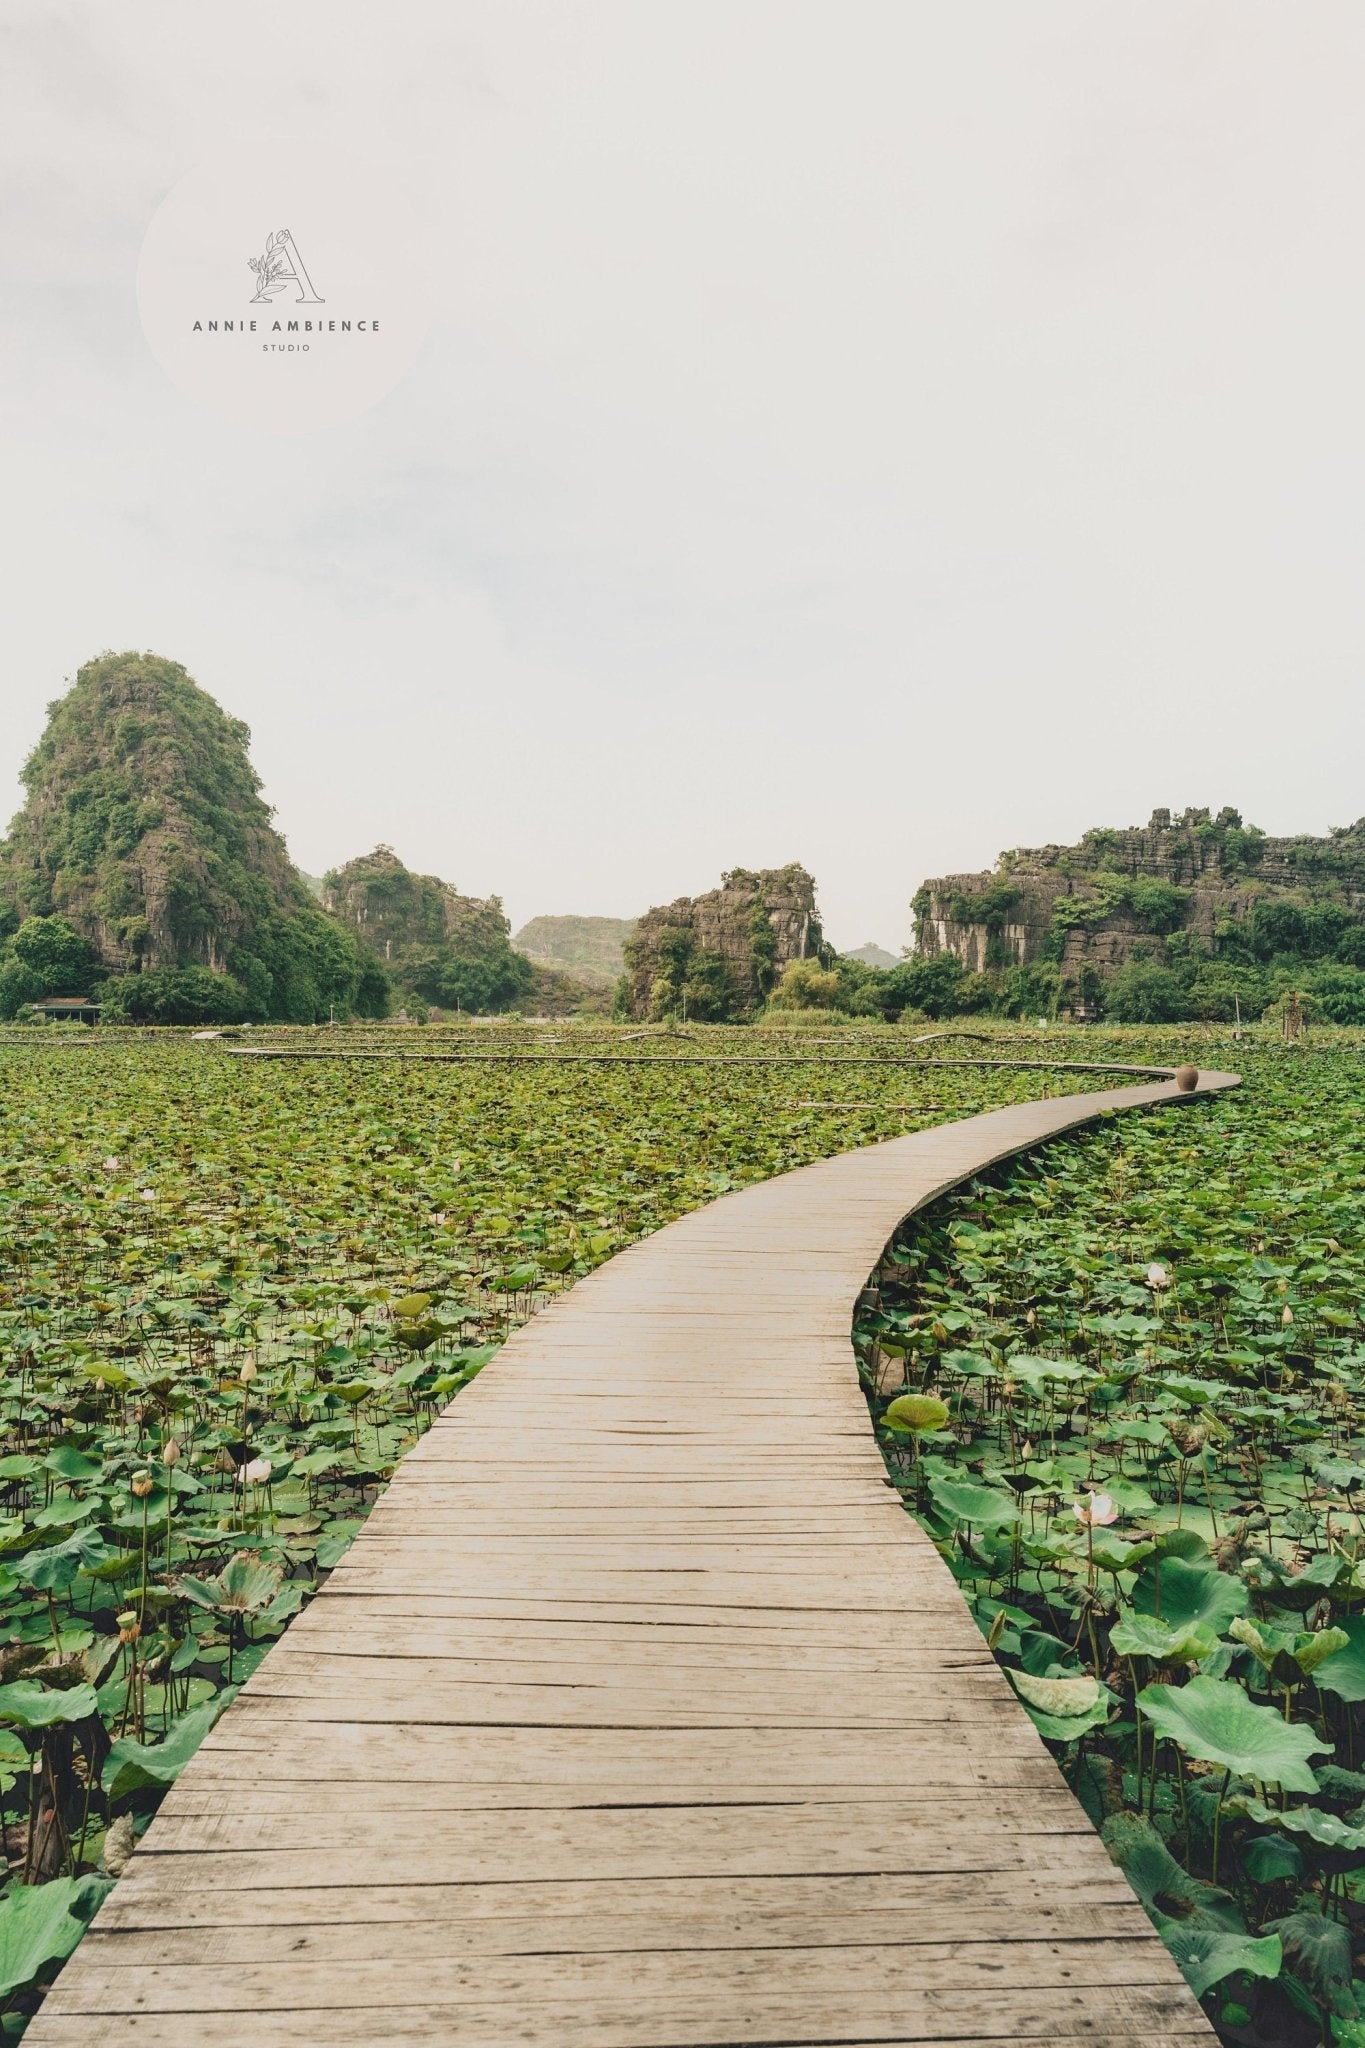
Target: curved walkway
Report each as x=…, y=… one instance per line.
x=640, y=1714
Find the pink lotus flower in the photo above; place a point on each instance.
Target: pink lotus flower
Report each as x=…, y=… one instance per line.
x=110, y=1165
x=1096, y=1511
x=254, y=1474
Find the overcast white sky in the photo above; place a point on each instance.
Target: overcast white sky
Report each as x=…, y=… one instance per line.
x=874, y=432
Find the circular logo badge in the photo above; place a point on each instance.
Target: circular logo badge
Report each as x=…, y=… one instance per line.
x=286, y=286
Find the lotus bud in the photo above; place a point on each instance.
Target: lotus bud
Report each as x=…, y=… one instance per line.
x=248, y=1372
x=1288, y=1316
x=170, y=1452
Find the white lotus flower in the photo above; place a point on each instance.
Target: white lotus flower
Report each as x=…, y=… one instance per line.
x=1096, y=1511
x=1157, y=1275
x=110, y=1165
x=254, y=1474
x=147, y=1194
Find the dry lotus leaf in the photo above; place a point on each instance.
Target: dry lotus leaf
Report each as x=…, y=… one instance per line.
x=1064, y=1697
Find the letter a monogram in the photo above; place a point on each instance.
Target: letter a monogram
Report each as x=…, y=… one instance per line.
x=281, y=265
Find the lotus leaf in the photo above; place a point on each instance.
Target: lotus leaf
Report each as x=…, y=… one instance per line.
x=41, y=1924
x=1141, y=1635
x=1189, y=1594
x=982, y=1506
x=1326, y=1829
x=29, y=1705
x=1319, y=1952
x=1269, y=1859
x=916, y=1413
x=130, y=1766
x=1212, y=1718
x=1343, y=1672
x=1159, y=1881
x=1207, y=1957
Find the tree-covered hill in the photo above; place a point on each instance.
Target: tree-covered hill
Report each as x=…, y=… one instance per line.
x=440, y=947
x=145, y=843
x=589, y=948
x=1195, y=916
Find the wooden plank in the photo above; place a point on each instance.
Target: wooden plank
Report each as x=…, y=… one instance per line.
x=640, y=1715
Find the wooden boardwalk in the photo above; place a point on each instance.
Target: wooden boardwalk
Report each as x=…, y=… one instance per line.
x=641, y=1715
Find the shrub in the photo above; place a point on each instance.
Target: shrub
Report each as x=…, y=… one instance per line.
x=806, y=985
x=175, y=995
x=1143, y=992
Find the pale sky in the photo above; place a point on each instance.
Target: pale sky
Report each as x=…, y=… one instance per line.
x=873, y=433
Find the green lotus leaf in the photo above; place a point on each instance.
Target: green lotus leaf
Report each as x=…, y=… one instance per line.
x=1320, y=1646
x=1319, y=1952
x=1267, y=1859
x=30, y=1705
x=1206, y=1956
x=982, y=1506
x=1141, y=1635
x=1113, y=1553
x=53, y=1570
x=1344, y=1671
x=130, y=1766
x=1159, y=1881
x=1326, y=1829
x=40, y=1924
x=1212, y=1718
x=916, y=1413
x=1186, y=1594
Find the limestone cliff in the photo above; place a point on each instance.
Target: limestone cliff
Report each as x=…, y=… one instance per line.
x=718, y=955
x=446, y=949
x=1089, y=908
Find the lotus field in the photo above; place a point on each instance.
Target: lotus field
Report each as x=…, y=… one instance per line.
x=1121, y=1384
x=232, y=1293
x=1123, y=1387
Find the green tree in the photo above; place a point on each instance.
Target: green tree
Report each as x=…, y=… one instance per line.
x=18, y=985
x=1144, y=992
x=55, y=954
x=806, y=985
x=174, y=995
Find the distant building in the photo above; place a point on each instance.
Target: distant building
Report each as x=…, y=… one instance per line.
x=72, y=1009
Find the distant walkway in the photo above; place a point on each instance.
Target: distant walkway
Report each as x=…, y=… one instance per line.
x=641, y=1715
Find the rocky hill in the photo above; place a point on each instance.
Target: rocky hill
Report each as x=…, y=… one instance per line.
x=719, y=955
x=1183, y=893
x=440, y=947
x=145, y=829
x=589, y=949
x=873, y=955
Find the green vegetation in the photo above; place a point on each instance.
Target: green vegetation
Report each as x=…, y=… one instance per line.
x=145, y=839
x=1147, y=1470
x=590, y=947
x=718, y=957
x=441, y=948
x=231, y=1295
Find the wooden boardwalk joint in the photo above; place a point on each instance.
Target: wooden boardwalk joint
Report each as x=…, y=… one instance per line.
x=640, y=1714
